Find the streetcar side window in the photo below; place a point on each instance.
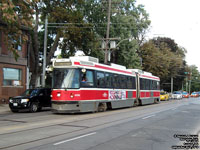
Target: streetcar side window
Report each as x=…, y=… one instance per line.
x=142, y=84
x=158, y=85
x=100, y=79
x=133, y=82
x=115, y=81
x=123, y=81
x=108, y=80
x=147, y=87
x=87, y=79
x=129, y=83
x=151, y=84
x=154, y=85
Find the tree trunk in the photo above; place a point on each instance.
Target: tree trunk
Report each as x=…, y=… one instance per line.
x=35, y=52
x=53, y=49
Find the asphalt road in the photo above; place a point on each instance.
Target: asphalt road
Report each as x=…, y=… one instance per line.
x=150, y=127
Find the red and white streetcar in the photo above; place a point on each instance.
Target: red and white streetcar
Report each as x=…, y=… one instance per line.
x=82, y=84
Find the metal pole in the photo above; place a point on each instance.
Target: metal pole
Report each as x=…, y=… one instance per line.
x=190, y=82
x=186, y=84
x=189, y=86
x=107, y=33
x=172, y=84
x=45, y=53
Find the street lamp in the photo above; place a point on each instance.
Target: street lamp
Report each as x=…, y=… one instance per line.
x=113, y=45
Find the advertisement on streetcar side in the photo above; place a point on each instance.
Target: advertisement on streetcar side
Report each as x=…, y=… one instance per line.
x=117, y=95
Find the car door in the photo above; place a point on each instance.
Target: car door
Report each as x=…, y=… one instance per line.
x=48, y=97
x=41, y=97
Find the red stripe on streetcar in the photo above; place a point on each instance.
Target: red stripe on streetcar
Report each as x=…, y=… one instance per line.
x=103, y=67
x=112, y=69
x=150, y=77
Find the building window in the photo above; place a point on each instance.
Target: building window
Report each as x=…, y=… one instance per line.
x=16, y=44
x=12, y=77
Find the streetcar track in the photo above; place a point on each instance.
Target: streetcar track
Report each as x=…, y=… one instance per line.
x=28, y=142
x=106, y=115
x=11, y=146
x=69, y=124
x=13, y=120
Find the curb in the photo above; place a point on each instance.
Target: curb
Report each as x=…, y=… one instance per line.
x=4, y=108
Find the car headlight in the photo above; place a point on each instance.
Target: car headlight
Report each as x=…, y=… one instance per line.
x=10, y=100
x=24, y=100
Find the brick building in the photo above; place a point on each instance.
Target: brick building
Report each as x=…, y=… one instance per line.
x=13, y=74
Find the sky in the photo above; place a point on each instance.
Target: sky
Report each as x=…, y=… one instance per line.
x=178, y=20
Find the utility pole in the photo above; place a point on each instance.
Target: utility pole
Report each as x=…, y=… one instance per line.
x=186, y=84
x=190, y=82
x=107, y=33
x=45, y=53
x=172, y=84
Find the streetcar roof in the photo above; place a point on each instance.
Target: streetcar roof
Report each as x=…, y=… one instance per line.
x=93, y=63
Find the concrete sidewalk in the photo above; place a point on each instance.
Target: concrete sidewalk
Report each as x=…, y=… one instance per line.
x=4, y=108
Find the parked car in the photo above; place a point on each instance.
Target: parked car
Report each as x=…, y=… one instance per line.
x=194, y=94
x=32, y=100
x=164, y=96
x=177, y=95
x=185, y=94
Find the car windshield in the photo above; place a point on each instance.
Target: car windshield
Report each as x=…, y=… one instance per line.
x=30, y=92
x=66, y=78
x=162, y=93
x=194, y=93
x=176, y=92
x=185, y=93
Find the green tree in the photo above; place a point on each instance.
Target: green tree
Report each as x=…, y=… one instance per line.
x=128, y=21
x=164, y=58
x=67, y=30
x=193, y=78
x=16, y=17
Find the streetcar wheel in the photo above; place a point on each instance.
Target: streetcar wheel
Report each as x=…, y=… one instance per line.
x=34, y=107
x=156, y=101
x=102, y=107
x=136, y=103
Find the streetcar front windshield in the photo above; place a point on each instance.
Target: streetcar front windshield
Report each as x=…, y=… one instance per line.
x=66, y=78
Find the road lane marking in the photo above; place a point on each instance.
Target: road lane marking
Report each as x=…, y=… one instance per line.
x=185, y=111
x=134, y=135
x=148, y=117
x=74, y=138
x=173, y=108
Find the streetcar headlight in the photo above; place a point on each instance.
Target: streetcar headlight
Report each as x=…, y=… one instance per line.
x=24, y=100
x=72, y=95
x=58, y=94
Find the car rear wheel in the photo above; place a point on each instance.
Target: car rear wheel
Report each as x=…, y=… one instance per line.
x=34, y=107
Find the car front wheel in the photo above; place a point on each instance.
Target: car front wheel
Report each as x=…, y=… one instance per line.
x=34, y=107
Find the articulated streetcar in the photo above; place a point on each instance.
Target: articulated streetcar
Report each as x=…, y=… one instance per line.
x=82, y=84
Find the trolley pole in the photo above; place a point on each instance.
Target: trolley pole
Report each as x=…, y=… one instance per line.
x=107, y=33
x=45, y=53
